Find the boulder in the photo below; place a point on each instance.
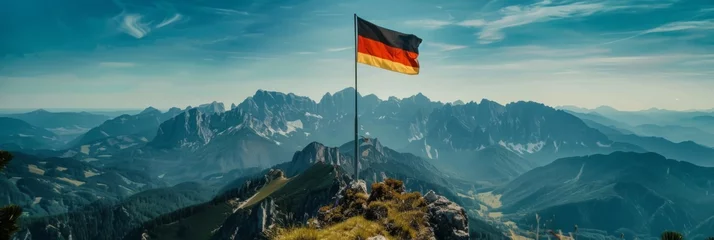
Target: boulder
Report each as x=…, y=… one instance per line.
x=359, y=186
x=448, y=219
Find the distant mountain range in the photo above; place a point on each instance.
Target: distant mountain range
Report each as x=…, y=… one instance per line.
x=503, y=163
x=66, y=125
x=57, y=120
x=140, y=125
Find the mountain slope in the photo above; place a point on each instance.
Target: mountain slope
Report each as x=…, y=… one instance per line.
x=193, y=146
x=59, y=120
x=641, y=192
x=249, y=207
x=111, y=219
x=232, y=214
x=16, y=134
x=144, y=124
x=684, y=151
x=531, y=130
x=677, y=133
x=46, y=186
x=493, y=164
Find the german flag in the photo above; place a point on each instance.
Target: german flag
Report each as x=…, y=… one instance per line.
x=387, y=49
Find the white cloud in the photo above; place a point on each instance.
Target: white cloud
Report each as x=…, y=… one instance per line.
x=672, y=27
x=171, y=20
x=553, y=52
x=340, y=49
x=519, y=15
x=684, y=25
x=131, y=24
x=583, y=64
x=472, y=23
x=445, y=47
x=514, y=16
x=117, y=64
x=428, y=23
x=225, y=11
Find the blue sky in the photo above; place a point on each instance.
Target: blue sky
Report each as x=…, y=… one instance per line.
x=629, y=54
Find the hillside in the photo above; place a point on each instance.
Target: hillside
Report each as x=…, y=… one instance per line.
x=236, y=211
x=16, y=134
x=631, y=192
x=47, y=186
x=143, y=125
x=676, y=133
x=110, y=219
x=685, y=151
x=60, y=120
x=531, y=130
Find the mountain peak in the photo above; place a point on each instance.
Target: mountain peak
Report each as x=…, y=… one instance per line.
x=348, y=89
x=38, y=111
x=150, y=110
x=211, y=108
x=606, y=109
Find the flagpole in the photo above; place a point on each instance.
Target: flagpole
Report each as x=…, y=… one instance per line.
x=356, y=116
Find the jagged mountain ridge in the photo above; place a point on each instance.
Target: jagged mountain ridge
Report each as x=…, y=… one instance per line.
x=416, y=124
x=377, y=162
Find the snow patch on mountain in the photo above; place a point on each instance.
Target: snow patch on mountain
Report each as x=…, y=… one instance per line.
x=307, y=114
x=291, y=126
x=427, y=148
x=534, y=147
x=521, y=148
x=603, y=145
x=580, y=173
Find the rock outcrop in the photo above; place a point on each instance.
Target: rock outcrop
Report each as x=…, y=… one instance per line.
x=448, y=219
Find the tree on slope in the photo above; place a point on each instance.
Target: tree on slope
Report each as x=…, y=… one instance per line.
x=8, y=214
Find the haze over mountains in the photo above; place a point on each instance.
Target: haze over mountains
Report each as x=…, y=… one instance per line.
x=503, y=163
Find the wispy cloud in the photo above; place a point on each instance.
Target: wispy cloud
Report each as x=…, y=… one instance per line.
x=304, y=53
x=591, y=63
x=519, y=15
x=339, y=49
x=514, y=16
x=672, y=27
x=171, y=20
x=472, y=23
x=117, y=64
x=445, y=47
x=685, y=25
x=428, y=23
x=131, y=24
x=226, y=11
x=542, y=51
